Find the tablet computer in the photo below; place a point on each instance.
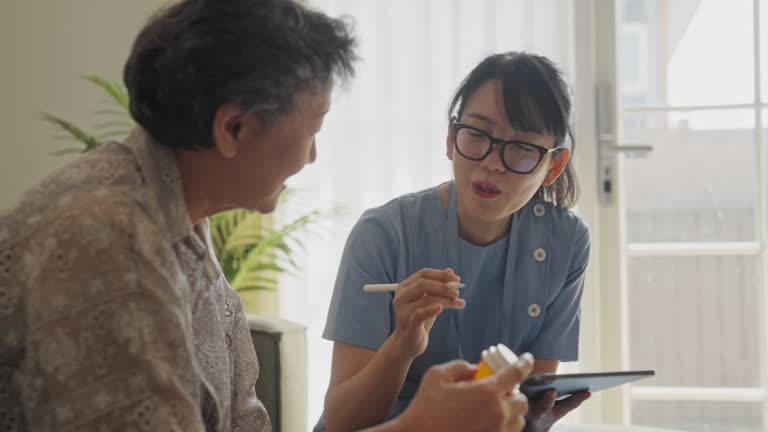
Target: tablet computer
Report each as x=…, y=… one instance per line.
x=568, y=384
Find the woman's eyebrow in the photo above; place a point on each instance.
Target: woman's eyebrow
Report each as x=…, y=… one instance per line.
x=482, y=118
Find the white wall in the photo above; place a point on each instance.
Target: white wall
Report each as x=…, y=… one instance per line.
x=45, y=46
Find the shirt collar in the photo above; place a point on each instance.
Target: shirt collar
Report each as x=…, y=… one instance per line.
x=160, y=170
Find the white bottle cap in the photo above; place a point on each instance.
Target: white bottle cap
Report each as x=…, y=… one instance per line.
x=499, y=357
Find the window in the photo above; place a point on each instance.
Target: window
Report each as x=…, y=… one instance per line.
x=694, y=212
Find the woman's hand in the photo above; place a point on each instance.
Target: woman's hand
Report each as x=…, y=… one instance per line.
x=545, y=411
x=418, y=301
x=447, y=400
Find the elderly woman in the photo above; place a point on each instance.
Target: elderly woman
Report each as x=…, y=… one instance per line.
x=114, y=314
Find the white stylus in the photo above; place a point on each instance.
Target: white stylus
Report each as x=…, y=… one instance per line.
x=392, y=287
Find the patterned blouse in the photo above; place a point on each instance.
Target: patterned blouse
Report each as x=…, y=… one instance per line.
x=114, y=313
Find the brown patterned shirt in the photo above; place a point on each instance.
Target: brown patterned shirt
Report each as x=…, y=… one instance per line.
x=114, y=313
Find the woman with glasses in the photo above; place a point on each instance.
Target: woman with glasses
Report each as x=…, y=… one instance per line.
x=501, y=227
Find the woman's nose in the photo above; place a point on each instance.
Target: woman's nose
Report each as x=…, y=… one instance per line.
x=493, y=161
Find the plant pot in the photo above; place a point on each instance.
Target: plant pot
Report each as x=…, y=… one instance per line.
x=261, y=302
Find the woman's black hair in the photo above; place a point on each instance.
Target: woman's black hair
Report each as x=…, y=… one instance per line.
x=536, y=99
x=198, y=55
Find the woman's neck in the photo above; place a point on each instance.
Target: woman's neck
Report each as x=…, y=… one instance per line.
x=202, y=194
x=482, y=233
x=477, y=232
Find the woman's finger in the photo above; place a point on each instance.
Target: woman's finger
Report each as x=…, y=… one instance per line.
x=425, y=313
x=428, y=273
x=409, y=309
x=423, y=287
x=515, y=424
x=567, y=405
x=518, y=403
x=513, y=375
x=543, y=404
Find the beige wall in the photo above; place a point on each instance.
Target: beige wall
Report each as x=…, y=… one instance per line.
x=45, y=45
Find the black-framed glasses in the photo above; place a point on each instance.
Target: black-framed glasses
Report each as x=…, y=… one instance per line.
x=517, y=156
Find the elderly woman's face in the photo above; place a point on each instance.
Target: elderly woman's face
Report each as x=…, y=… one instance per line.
x=266, y=159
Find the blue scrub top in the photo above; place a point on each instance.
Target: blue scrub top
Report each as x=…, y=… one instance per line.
x=523, y=291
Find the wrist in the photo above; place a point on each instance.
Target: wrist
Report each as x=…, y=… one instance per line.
x=397, y=348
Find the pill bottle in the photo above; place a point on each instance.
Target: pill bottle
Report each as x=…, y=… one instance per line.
x=493, y=360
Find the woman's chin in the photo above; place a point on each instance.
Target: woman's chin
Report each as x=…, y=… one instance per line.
x=267, y=204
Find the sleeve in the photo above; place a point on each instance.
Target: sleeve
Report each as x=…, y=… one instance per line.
x=248, y=413
x=108, y=341
x=370, y=256
x=558, y=338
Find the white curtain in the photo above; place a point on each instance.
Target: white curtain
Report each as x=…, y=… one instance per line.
x=385, y=134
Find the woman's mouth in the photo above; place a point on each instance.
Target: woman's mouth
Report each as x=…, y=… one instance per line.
x=485, y=190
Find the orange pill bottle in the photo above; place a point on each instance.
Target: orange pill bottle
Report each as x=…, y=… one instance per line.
x=494, y=359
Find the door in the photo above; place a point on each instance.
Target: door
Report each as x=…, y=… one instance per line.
x=680, y=96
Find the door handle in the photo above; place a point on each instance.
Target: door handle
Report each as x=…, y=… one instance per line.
x=607, y=145
x=607, y=142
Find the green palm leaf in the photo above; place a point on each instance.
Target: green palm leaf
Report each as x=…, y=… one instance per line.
x=89, y=141
x=67, y=151
x=117, y=123
x=116, y=91
x=113, y=124
x=252, y=251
